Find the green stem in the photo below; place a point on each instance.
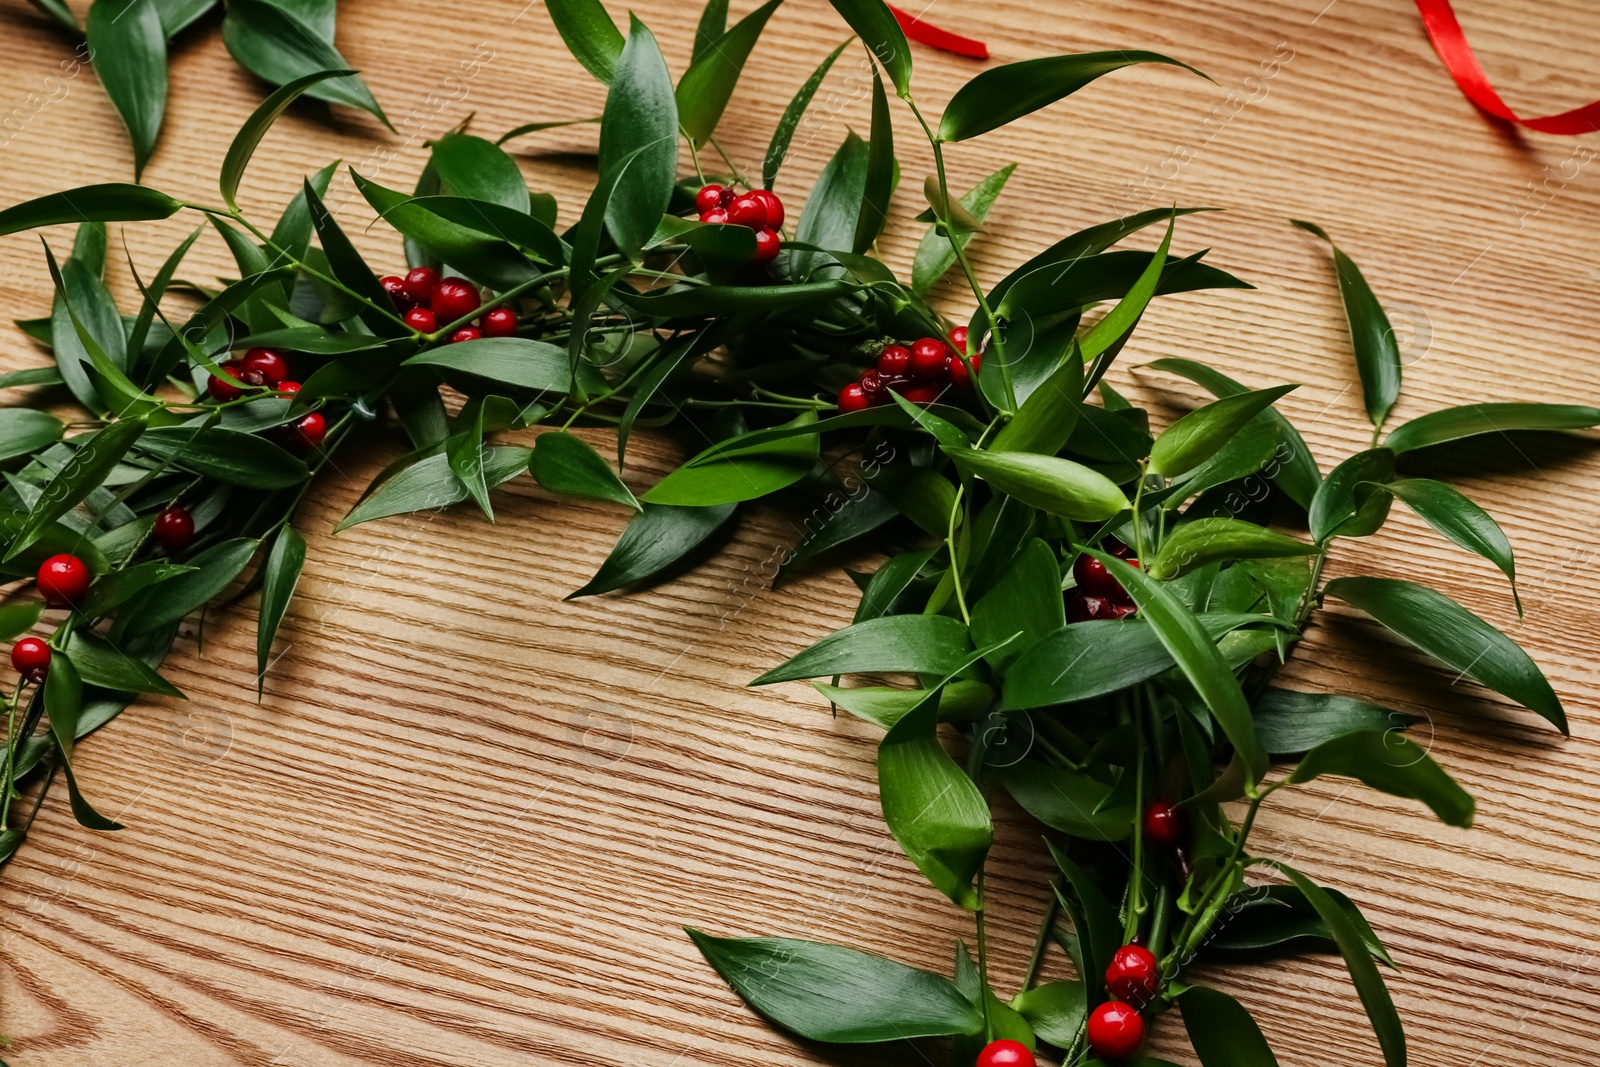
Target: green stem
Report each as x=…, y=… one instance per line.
x=955, y=556
x=983, y=956
x=1051, y=908
x=11, y=753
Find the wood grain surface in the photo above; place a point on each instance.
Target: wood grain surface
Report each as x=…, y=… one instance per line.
x=466, y=823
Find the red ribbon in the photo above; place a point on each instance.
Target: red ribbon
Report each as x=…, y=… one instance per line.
x=932, y=36
x=1451, y=44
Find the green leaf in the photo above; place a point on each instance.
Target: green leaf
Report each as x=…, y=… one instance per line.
x=130, y=57
x=1204, y=541
x=655, y=539
x=112, y=202
x=1461, y=521
x=1268, y=916
x=476, y=169
x=1055, y=1010
x=1386, y=761
x=23, y=431
x=705, y=88
x=94, y=460
x=1363, y=972
x=514, y=361
x=312, y=340
x=1346, y=503
x=63, y=703
x=1222, y=1032
x=640, y=121
x=214, y=569
x=922, y=644
x=838, y=995
x=228, y=455
x=347, y=264
x=696, y=301
x=1377, y=355
x=935, y=812
x=1196, y=655
x=32, y=376
x=834, y=206
x=280, y=575
x=564, y=463
x=117, y=588
x=464, y=450
x=892, y=579
x=934, y=256
x=883, y=706
x=1070, y=801
x=179, y=15
x=1002, y=94
x=1295, y=468
x=712, y=25
x=1455, y=637
x=783, y=133
x=18, y=619
x=1049, y=483
x=101, y=663
x=878, y=183
x=429, y=484
x=1047, y=418
x=1452, y=424
x=590, y=35
x=1027, y=600
x=1288, y=722
x=1076, y=283
x=153, y=293
x=277, y=46
x=256, y=126
x=488, y=260
x=100, y=336
x=878, y=29
x=1198, y=436
x=1100, y=931
x=62, y=14
x=1111, y=330
x=727, y=473
x=83, y=320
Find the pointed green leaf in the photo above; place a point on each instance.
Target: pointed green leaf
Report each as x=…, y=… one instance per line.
x=640, y=121
x=1290, y=722
x=655, y=539
x=214, y=568
x=98, y=453
x=834, y=206
x=486, y=259
x=934, y=256
x=280, y=575
x=564, y=463
x=783, y=133
x=429, y=484
x=113, y=202
x=922, y=644
x=1449, y=511
x=1201, y=433
x=63, y=703
x=1111, y=330
x=727, y=472
x=590, y=35
x=1049, y=483
x=1101, y=930
x=1069, y=801
x=274, y=44
x=1452, y=424
x=883, y=706
x=1386, y=761
x=878, y=184
x=880, y=31
x=256, y=126
x=1047, y=418
x=115, y=589
x=23, y=431
x=1377, y=355
x=18, y=619
x=347, y=264
x=476, y=169
x=1204, y=541
x=515, y=361
x=465, y=450
x=1346, y=503
x=130, y=57
x=101, y=663
x=1026, y=600
x=1222, y=1032
x=705, y=88
x=230, y=456
x=1055, y=1010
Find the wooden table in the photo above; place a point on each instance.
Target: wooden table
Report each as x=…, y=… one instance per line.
x=467, y=821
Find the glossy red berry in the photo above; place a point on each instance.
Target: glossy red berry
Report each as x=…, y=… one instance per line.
x=466, y=333
x=1006, y=1054
x=709, y=198
x=263, y=366
x=874, y=385
x=453, y=298
x=63, y=580
x=921, y=394
x=31, y=658
x=774, y=207
x=220, y=389
x=419, y=284
x=421, y=319
x=959, y=377
x=853, y=398
x=310, y=430
x=958, y=338
x=929, y=359
x=748, y=210
x=289, y=387
x=1115, y=1031
x=715, y=217
x=1134, y=975
x=766, y=245
x=894, y=360
x=174, y=528
x=1165, y=826
x=1093, y=577
x=501, y=322
x=1083, y=606
x=395, y=286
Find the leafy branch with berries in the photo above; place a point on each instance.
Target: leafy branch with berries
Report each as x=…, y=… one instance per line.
x=1079, y=611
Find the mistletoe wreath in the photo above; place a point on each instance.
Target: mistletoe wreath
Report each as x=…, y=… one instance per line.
x=1087, y=609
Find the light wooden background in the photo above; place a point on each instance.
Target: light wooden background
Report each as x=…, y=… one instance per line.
x=467, y=821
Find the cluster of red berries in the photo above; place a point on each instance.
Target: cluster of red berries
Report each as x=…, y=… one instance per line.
x=267, y=368
x=759, y=209
x=920, y=373
x=1115, y=1029
x=426, y=301
x=1098, y=595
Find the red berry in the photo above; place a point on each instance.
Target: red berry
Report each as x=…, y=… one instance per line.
x=1093, y=577
x=1118, y=549
x=929, y=358
x=715, y=217
x=64, y=580
x=289, y=387
x=874, y=385
x=396, y=288
x=853, y=398
x=894, y=360
x=454, y=298
x=501, y=322
x=958, y=370
x=1083, y=606
x=1006, y=1054
x=31, y=658
x=921, y=394
x=264, y=366
x=310, y=430
x=1115, y=1031
x=766, y=245
x=773, y=205
x=466, y=333
x=421, y=319
x=174, y=528
x=708, y=198
x=958, y=338
x=748, y=210
x=1134, y=975
x=419, y=284
x=1165, y=826
x=220, y=389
